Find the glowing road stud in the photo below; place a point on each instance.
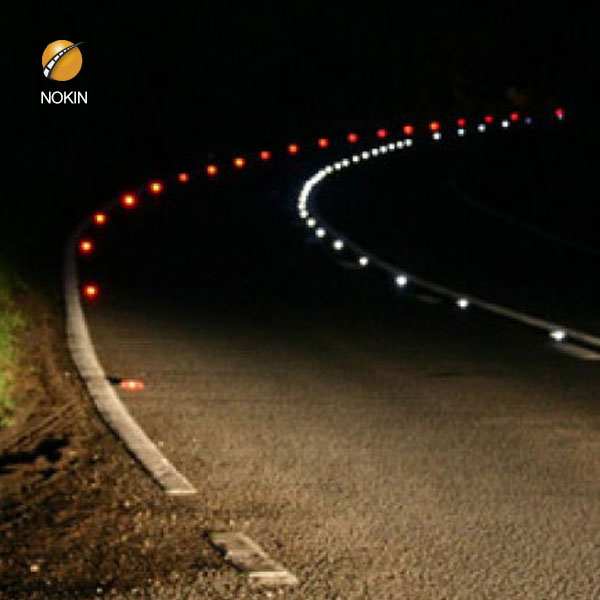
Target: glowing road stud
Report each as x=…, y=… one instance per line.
x=156, y=187
x=363, y=261
x=514, y=116
x=408, y=143
x=323, y=143
x=505, y=123
x=488, y=119
x=212, y=170
x=462, y=303
x=365, y=155
x=239, y=162
x=437, y=136
x=265, y=155
x=481, y=128
x=338, y=245
x=293, y=148
x=352, y=137
x=132, y=385
x=462, y=122
x=100, y=218
x=311, y=222
x=558, y=335
x=559, y=113
x=382, y=133
x=528, y=120
x=183, y=177
x=86, y=246
x=401, y=281
x=320, y=232
x=434, y=126
x=461, y=132
x=90, y=291
x=408, y=130
x=128, y=201
x=399, y=145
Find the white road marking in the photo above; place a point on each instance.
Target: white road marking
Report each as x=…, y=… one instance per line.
x=577, y=351
x=248, y=556
x=503, y=311
x=106, y=399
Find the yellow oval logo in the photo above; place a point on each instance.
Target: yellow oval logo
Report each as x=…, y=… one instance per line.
x=62, y=60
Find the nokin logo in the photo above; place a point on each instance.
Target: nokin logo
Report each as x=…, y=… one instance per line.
x=62, y=60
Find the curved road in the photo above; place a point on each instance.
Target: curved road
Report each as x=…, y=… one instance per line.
x=378, y=445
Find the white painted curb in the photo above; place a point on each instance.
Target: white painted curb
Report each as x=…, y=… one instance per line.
x=106, y=399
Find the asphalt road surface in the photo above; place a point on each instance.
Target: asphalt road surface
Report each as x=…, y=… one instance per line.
x=377, y=444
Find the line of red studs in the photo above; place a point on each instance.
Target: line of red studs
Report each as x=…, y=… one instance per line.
x=130, y=201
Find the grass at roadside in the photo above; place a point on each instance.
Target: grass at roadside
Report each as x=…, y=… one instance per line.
x=10, y=321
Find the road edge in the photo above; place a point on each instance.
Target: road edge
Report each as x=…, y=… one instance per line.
x=106, y=400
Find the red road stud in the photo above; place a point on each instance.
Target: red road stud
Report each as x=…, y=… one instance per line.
x=434, y=126
x=132, y=385
x=382, y=133
x=100, y=218
x=559, y=113
x=183, y=177
x=90, y=291
x=156, y=187
x=514, y=117
x=352, y=137
x=461, y=122
x=128, y=201
x=86, y=246
x=265, y=155
x=212, y=170
x=323, y=143
x=239, y=162
x=293, y=148
x=489, y=119
x=408, y=130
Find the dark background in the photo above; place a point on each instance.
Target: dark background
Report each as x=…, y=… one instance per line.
x=171, y=85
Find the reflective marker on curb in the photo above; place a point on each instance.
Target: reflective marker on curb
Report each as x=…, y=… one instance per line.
x=132, y=385
x=100, y=218
x=128, y=201
x=86, y=246
x=183, y=177
x=90, y=291
x=156, y=187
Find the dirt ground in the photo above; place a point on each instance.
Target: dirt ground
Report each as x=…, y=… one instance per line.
x=78, y=516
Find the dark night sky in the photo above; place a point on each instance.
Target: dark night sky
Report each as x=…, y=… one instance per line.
x=170, y=83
